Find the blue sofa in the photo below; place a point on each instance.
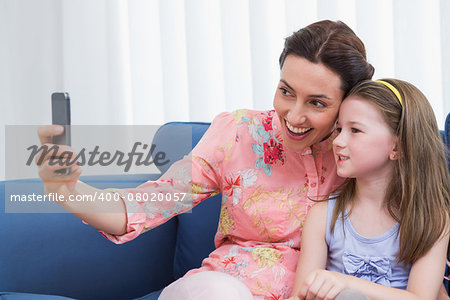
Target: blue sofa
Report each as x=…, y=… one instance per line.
x=46, y=254
x=56, y=254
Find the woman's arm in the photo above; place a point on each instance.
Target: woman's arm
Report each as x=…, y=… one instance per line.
x=313, y=254
x=108, y=216
x=186, y=183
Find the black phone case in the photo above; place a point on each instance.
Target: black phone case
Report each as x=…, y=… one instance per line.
x=61, y=116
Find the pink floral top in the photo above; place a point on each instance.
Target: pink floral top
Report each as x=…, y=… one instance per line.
x=267, y=191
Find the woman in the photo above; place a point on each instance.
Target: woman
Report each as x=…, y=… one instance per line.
x=268, y=165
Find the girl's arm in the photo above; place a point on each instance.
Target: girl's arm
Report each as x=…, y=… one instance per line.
x=443, y=295
x=313, y=254
x=313, y=282
x=425, y=278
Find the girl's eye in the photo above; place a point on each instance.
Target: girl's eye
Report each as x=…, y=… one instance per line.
x=338, y=129
x=318, y=104
x=284, y=91
x=354, y=130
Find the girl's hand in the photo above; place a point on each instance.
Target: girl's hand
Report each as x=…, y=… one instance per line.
x=54, y=182
x=322, y=284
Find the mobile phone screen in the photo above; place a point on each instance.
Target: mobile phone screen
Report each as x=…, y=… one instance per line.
x=61, y=116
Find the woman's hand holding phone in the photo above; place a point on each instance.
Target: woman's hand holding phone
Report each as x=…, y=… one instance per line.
x=62, y=179
x=56, y=182
x=109, y=216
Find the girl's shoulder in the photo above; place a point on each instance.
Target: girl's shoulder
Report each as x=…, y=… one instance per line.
x=319, y=210
x=316, y=220
x=324, y=207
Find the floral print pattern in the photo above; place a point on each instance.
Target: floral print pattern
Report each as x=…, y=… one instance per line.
x=265, y=256
x=268, y=146
x=266, y=194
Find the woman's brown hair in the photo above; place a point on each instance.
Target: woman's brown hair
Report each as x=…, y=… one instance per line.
x=417, y=196
x=334, y=45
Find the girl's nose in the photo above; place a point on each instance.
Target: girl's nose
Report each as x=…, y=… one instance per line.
x=339, y=141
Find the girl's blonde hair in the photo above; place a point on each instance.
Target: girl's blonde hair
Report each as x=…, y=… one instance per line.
x=417, y=196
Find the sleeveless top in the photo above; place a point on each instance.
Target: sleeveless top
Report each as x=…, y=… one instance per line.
x=372, y=259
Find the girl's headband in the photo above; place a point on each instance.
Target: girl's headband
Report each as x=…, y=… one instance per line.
x=393, y=89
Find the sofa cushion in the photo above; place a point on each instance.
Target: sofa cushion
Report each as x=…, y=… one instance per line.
x=55, y=253
x=151, y=296
x=26, y=296
x=447, y=141
x=176, y=139
x=446, y=137
x=195, y=238
x=447, y=130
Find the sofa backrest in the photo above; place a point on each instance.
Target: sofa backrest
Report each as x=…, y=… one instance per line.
x=197, y=228
x=446, y=138
x=447, y=142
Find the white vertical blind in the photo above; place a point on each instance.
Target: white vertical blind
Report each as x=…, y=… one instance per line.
x=418, y=48
x=86, y=64
x=145, y=59
x=267, y=31
x=445, y=53
x=377, y=36
x=299, y=13
x=237, y=65
x=153, y=61
x=174, y=60
x=343, y=10
x=204, y=58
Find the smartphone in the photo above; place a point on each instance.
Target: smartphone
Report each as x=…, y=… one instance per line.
x=61, y=116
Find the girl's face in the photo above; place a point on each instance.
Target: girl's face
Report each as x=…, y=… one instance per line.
x=365, y=146
x=307, y=102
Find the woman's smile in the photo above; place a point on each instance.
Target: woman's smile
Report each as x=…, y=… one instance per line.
x=307, y=102
x=296, y=133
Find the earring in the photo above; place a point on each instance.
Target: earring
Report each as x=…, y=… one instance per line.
x=394, y=156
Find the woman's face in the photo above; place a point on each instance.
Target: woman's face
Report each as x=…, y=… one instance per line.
x=307, y=102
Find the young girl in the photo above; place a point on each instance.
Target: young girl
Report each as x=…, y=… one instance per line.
x=384, y=235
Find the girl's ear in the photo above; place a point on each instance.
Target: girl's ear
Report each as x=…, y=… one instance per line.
x=394, y=153
x=393, y=156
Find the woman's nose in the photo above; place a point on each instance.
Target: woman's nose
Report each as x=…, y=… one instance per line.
x=297, y=115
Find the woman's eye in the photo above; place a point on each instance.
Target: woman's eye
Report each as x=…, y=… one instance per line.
x=318, y=103
x=338, y=129
x=355, y=130
x=285, y=92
